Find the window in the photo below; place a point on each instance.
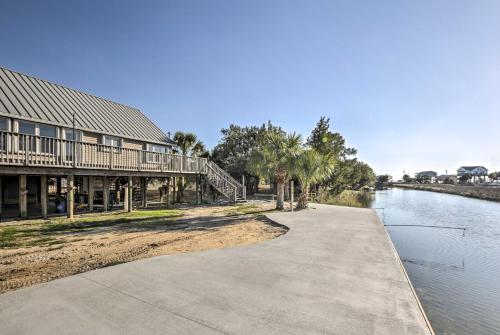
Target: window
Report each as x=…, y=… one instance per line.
x=153, y=149
x=3, y=136
x=27, y=128
x=70, y=134
x=157, y=148
x=47, y=144
x=47, y=131
x=3, y=124
x=112, y=141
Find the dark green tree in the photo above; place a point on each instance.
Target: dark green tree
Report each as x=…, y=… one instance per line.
x=494, y=176
x=350, y=174
x=234, y=150
x=465, y=178
x=327, y=142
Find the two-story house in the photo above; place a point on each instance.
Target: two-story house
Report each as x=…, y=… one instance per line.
x=477, y=173
x=428, y=176
x=60, y=147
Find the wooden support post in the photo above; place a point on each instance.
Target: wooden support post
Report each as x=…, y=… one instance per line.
x=202, y=186
x=244, y=187
x=291, y=194
x=118, y=190
x=168, y=192
x=91, y=193
x=44, y=195
x=130, y=187
x=70, y=191
x=174, y=193
x=162, y=191
x=126, y=199
x=23, y=196
x=58, y=185
x=197, y=189
x=144, y=191
x=105, y=193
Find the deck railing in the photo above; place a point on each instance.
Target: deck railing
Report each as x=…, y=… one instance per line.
x=29, y=150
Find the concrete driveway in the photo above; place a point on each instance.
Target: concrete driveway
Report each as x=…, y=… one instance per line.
x=334, y=272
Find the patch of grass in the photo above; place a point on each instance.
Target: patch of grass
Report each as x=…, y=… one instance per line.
x=44, y=241
x=8, y=237
x=137, y=218
x=154, y=213
x=44, y=232
x=244, y=209
x=351, y=199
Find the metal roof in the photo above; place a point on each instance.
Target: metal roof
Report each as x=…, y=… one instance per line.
x=470, y=168
x=34, y=99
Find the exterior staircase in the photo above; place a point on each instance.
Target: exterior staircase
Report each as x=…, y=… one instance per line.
x=224, y=183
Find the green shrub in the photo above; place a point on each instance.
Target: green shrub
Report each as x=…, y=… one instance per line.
x=351, y=199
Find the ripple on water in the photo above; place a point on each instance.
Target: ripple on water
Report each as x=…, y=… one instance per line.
x=456, y=277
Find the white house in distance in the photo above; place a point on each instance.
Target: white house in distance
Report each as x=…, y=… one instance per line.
x=430, y=175
x=477, y=172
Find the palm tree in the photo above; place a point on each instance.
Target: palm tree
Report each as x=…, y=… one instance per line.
x=189, y=145
x=275, y=158
x=311, y=167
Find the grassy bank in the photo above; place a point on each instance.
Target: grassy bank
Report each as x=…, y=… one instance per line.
x=472, y=191
x=350, y=198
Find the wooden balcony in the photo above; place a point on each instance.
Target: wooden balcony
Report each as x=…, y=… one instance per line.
x=38, y=151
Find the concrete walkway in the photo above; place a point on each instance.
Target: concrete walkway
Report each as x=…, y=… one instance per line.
x=334, y=272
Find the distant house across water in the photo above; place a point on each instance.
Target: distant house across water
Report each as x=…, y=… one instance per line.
x=429, y=176
x=478, y=173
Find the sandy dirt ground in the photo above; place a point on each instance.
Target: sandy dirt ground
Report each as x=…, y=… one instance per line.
x=41, y=251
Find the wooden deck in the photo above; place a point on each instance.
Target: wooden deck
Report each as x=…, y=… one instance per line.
x=21, y=151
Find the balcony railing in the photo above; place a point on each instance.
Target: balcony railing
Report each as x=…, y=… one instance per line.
x=29, y=150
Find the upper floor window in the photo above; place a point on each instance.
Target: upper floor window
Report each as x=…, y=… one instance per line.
x=46, y=143
x=47, y=131
x=3, y=124
x=69, y=134
x=3, y=137
x=157, y=148
x=27, y=128
x=27, y=142
x=112, y=141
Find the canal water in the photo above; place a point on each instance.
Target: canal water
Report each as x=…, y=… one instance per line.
x=456, y=275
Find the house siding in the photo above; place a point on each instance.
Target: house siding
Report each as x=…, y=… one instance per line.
x=89, y=137
x=130, y=144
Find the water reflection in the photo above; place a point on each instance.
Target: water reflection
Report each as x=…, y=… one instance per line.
x=458, y=299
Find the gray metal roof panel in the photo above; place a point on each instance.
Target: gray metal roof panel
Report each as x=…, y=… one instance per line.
x=39, y=100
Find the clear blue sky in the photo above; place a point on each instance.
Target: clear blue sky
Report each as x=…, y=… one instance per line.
x=411, y=84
